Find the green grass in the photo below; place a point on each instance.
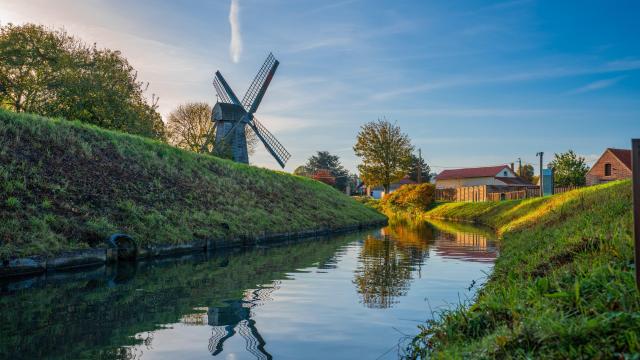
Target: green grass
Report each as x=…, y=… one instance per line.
x=66, y=185
x=562, y=287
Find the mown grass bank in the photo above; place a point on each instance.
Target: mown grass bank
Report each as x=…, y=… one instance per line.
x=563, y=285
x=65, y=185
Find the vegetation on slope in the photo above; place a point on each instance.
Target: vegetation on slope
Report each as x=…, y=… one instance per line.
x=563, y=286
x=66, y=185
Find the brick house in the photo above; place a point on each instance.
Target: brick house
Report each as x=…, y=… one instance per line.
x=614, y=164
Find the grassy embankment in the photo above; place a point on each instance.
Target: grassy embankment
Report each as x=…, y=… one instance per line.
x=65, y=185
x=563, y=285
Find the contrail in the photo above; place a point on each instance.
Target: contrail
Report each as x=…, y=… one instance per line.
x=236, y=39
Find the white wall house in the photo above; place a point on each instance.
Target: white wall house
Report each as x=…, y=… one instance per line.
x=378, y=191
x=491, y=175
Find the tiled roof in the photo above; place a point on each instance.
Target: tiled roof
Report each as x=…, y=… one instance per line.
x=517, y=181
x=489, y=171
x=405, y=181
x=622, y=155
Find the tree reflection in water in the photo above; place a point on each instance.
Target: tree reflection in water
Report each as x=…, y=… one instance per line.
x=114, y=312
x=388, y=261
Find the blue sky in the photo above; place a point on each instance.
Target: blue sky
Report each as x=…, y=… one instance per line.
x=471, y=82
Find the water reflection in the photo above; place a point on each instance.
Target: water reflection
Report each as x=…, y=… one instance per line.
x=295, y=300
x=234, y=318
x=389, y=260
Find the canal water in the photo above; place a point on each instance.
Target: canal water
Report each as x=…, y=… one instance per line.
x=355, y=296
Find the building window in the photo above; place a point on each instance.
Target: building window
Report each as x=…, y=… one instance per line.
x=607, y=169
x=505, y=173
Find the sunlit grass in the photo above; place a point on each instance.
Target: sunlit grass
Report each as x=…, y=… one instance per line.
x=66, y=185
x=563, y=286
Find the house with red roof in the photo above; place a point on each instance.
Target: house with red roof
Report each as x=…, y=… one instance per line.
x=614, y=164
x=479, y=176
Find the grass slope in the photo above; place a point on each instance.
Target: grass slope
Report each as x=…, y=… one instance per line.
x=66, y=185
x=563, y=286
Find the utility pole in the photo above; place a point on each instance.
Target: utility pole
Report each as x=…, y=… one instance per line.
x=635, y=166
x=419, y=166
x=520, y=167
x=541, y=154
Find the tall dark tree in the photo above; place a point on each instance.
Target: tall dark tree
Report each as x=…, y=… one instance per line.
x=527, y=172
x=418, y=165
x=569, y=169
x=323, y=160
x=31, y=60
x=385, y=151
x=52, y=73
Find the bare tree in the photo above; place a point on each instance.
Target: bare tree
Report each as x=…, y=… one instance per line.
x=189, y=127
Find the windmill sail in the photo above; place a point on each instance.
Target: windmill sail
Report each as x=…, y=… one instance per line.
x=231, y=116
x=259, y=85
x=272, y=144
x=224, y=90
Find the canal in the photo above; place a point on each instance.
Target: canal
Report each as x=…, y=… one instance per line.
x=355, y=296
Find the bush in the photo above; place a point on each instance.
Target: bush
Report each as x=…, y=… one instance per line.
x=410, y=198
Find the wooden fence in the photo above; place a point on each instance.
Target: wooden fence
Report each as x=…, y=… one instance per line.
x=467, y=194
x=445, y=195
x=560, y=190
x=510, y=195
x=493, y=193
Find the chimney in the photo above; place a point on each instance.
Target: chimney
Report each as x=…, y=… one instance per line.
x=513, y=168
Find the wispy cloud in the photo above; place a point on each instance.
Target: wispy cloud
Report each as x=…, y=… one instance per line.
x=534, y=75
x=321, y=43
x=236, y=38
x=596, y=85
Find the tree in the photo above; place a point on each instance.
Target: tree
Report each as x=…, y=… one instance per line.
x=418, y=164
x=189, y=127
x=30, y=59
x=527, y=173
x=323, y=160
x=53, y=74
x=385, y=152
x=301, y=171
x=569, y=169
x=534, y=179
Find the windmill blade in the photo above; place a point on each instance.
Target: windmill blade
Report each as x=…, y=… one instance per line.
x=272, y=144
x=259, y=85
x=224, y=90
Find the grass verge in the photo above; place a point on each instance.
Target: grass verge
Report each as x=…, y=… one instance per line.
x=66, y=185
x=562, y=287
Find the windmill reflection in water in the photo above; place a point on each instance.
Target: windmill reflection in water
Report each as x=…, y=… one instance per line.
x=236, y=318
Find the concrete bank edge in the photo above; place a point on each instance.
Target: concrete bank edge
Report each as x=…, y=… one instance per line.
x=98, y=256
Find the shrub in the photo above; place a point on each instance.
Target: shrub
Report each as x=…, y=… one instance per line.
x=410, y=197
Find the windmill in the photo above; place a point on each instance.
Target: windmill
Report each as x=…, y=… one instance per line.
x=231, y=117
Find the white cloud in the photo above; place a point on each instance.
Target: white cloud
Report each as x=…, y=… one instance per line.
x=596, y=85
x=534, y=75
x=236, y=38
